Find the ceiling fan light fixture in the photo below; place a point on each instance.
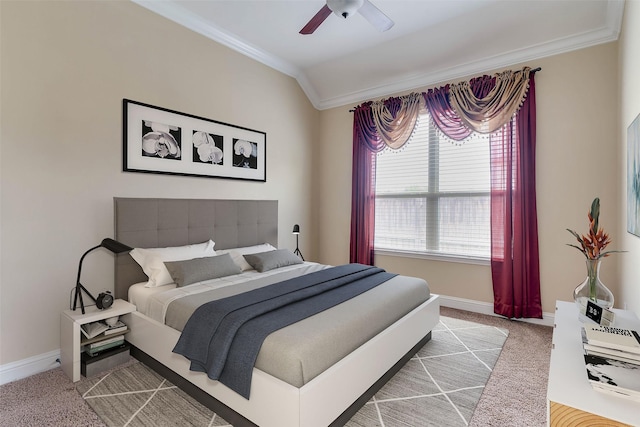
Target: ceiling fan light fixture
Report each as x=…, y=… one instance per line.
x=344, y=8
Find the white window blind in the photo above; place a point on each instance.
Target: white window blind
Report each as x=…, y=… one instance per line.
x=433, y=196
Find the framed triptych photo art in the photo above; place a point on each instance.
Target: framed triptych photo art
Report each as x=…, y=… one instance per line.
x=159, y=140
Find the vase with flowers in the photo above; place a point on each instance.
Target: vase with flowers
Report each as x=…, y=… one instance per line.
x=592, y=245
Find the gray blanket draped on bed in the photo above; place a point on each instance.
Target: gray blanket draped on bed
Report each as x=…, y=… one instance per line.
x=223, y=337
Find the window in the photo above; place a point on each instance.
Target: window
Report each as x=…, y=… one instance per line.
x=433, y=196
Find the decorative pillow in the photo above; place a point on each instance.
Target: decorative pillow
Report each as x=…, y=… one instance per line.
x=237, y=253
x=152, y=259
x=198, y=269
x=266, y=261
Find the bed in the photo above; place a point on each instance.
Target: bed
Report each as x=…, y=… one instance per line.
x=321, y=395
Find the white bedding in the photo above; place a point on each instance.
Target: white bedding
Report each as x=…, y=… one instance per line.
x=153, y=302
x=299, y=352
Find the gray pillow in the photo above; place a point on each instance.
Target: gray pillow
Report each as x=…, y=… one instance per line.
x=265, y=261
x=198, y=269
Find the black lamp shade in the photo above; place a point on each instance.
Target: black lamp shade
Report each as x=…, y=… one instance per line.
x=115, y=246
x=296, y=229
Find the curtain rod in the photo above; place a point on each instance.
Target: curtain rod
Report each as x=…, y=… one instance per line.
x=533, y=70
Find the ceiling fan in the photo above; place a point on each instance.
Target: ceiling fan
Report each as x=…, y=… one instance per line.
x=346, y=8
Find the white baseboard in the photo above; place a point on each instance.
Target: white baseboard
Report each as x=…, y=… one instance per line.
x=487, y=308
x=43, y=362
x=26, y=367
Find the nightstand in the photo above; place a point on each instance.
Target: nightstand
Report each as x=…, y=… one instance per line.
x=71, y=336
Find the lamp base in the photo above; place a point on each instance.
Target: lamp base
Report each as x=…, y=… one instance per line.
x=78, y=296
x=297, y=252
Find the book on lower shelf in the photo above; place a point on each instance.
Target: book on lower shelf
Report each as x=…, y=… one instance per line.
x=104, y=342
x=119, y=326
x=95, y=329
x=613, y=376
x=100, y=346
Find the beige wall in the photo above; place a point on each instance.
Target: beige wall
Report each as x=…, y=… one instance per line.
x=574, y=133
x=66, y=66
x=629, y=44
x=63, y=77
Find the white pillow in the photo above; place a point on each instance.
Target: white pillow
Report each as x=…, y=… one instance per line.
x=237, y=254
x=152, y=260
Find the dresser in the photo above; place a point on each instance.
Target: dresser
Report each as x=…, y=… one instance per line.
x=571, y=401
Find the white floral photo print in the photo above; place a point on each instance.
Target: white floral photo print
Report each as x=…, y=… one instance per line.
x=163, y=141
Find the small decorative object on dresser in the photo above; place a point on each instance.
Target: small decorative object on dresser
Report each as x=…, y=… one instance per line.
x=592, y=245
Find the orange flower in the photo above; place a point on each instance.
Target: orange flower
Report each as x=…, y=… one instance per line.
x=593, y=244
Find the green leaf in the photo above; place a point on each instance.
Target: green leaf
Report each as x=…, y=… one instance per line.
x=576, y=235
x=577, y=247
x=611, y=252
x=595, y=212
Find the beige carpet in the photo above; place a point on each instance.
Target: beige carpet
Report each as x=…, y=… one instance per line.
x=439, y=386
x=515, y=394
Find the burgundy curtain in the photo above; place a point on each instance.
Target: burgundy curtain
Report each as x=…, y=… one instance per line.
x=514, y=225
x=363, y=196
x=366, y=143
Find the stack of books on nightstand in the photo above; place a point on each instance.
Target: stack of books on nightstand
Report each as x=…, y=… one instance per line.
x=612, y=358
x=104, y=347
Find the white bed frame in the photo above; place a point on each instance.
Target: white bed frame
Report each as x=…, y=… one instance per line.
x=273, y=402
x=329, y=399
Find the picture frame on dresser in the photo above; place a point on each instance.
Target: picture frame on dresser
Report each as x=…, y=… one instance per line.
x=163, y=141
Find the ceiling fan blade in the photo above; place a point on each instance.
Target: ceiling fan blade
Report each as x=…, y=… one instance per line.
x=375, y=16
x=315, y=22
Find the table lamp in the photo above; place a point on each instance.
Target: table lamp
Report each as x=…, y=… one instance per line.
x=296, y=231
x=115, y=247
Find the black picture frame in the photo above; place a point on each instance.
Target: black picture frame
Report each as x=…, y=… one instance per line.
x=163, y=141
x=633, y=177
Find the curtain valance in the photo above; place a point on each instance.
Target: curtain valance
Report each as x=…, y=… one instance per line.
x=483, y=104
x=490, y=112
x=396, y=119
x=387, y=123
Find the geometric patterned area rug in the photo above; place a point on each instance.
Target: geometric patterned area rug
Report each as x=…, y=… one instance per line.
x=440, y=386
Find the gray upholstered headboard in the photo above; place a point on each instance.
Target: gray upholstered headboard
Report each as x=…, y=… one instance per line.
x=150, y=223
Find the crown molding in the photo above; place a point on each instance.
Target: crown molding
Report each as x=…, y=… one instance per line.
x=410, y=82
x=174, y=12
